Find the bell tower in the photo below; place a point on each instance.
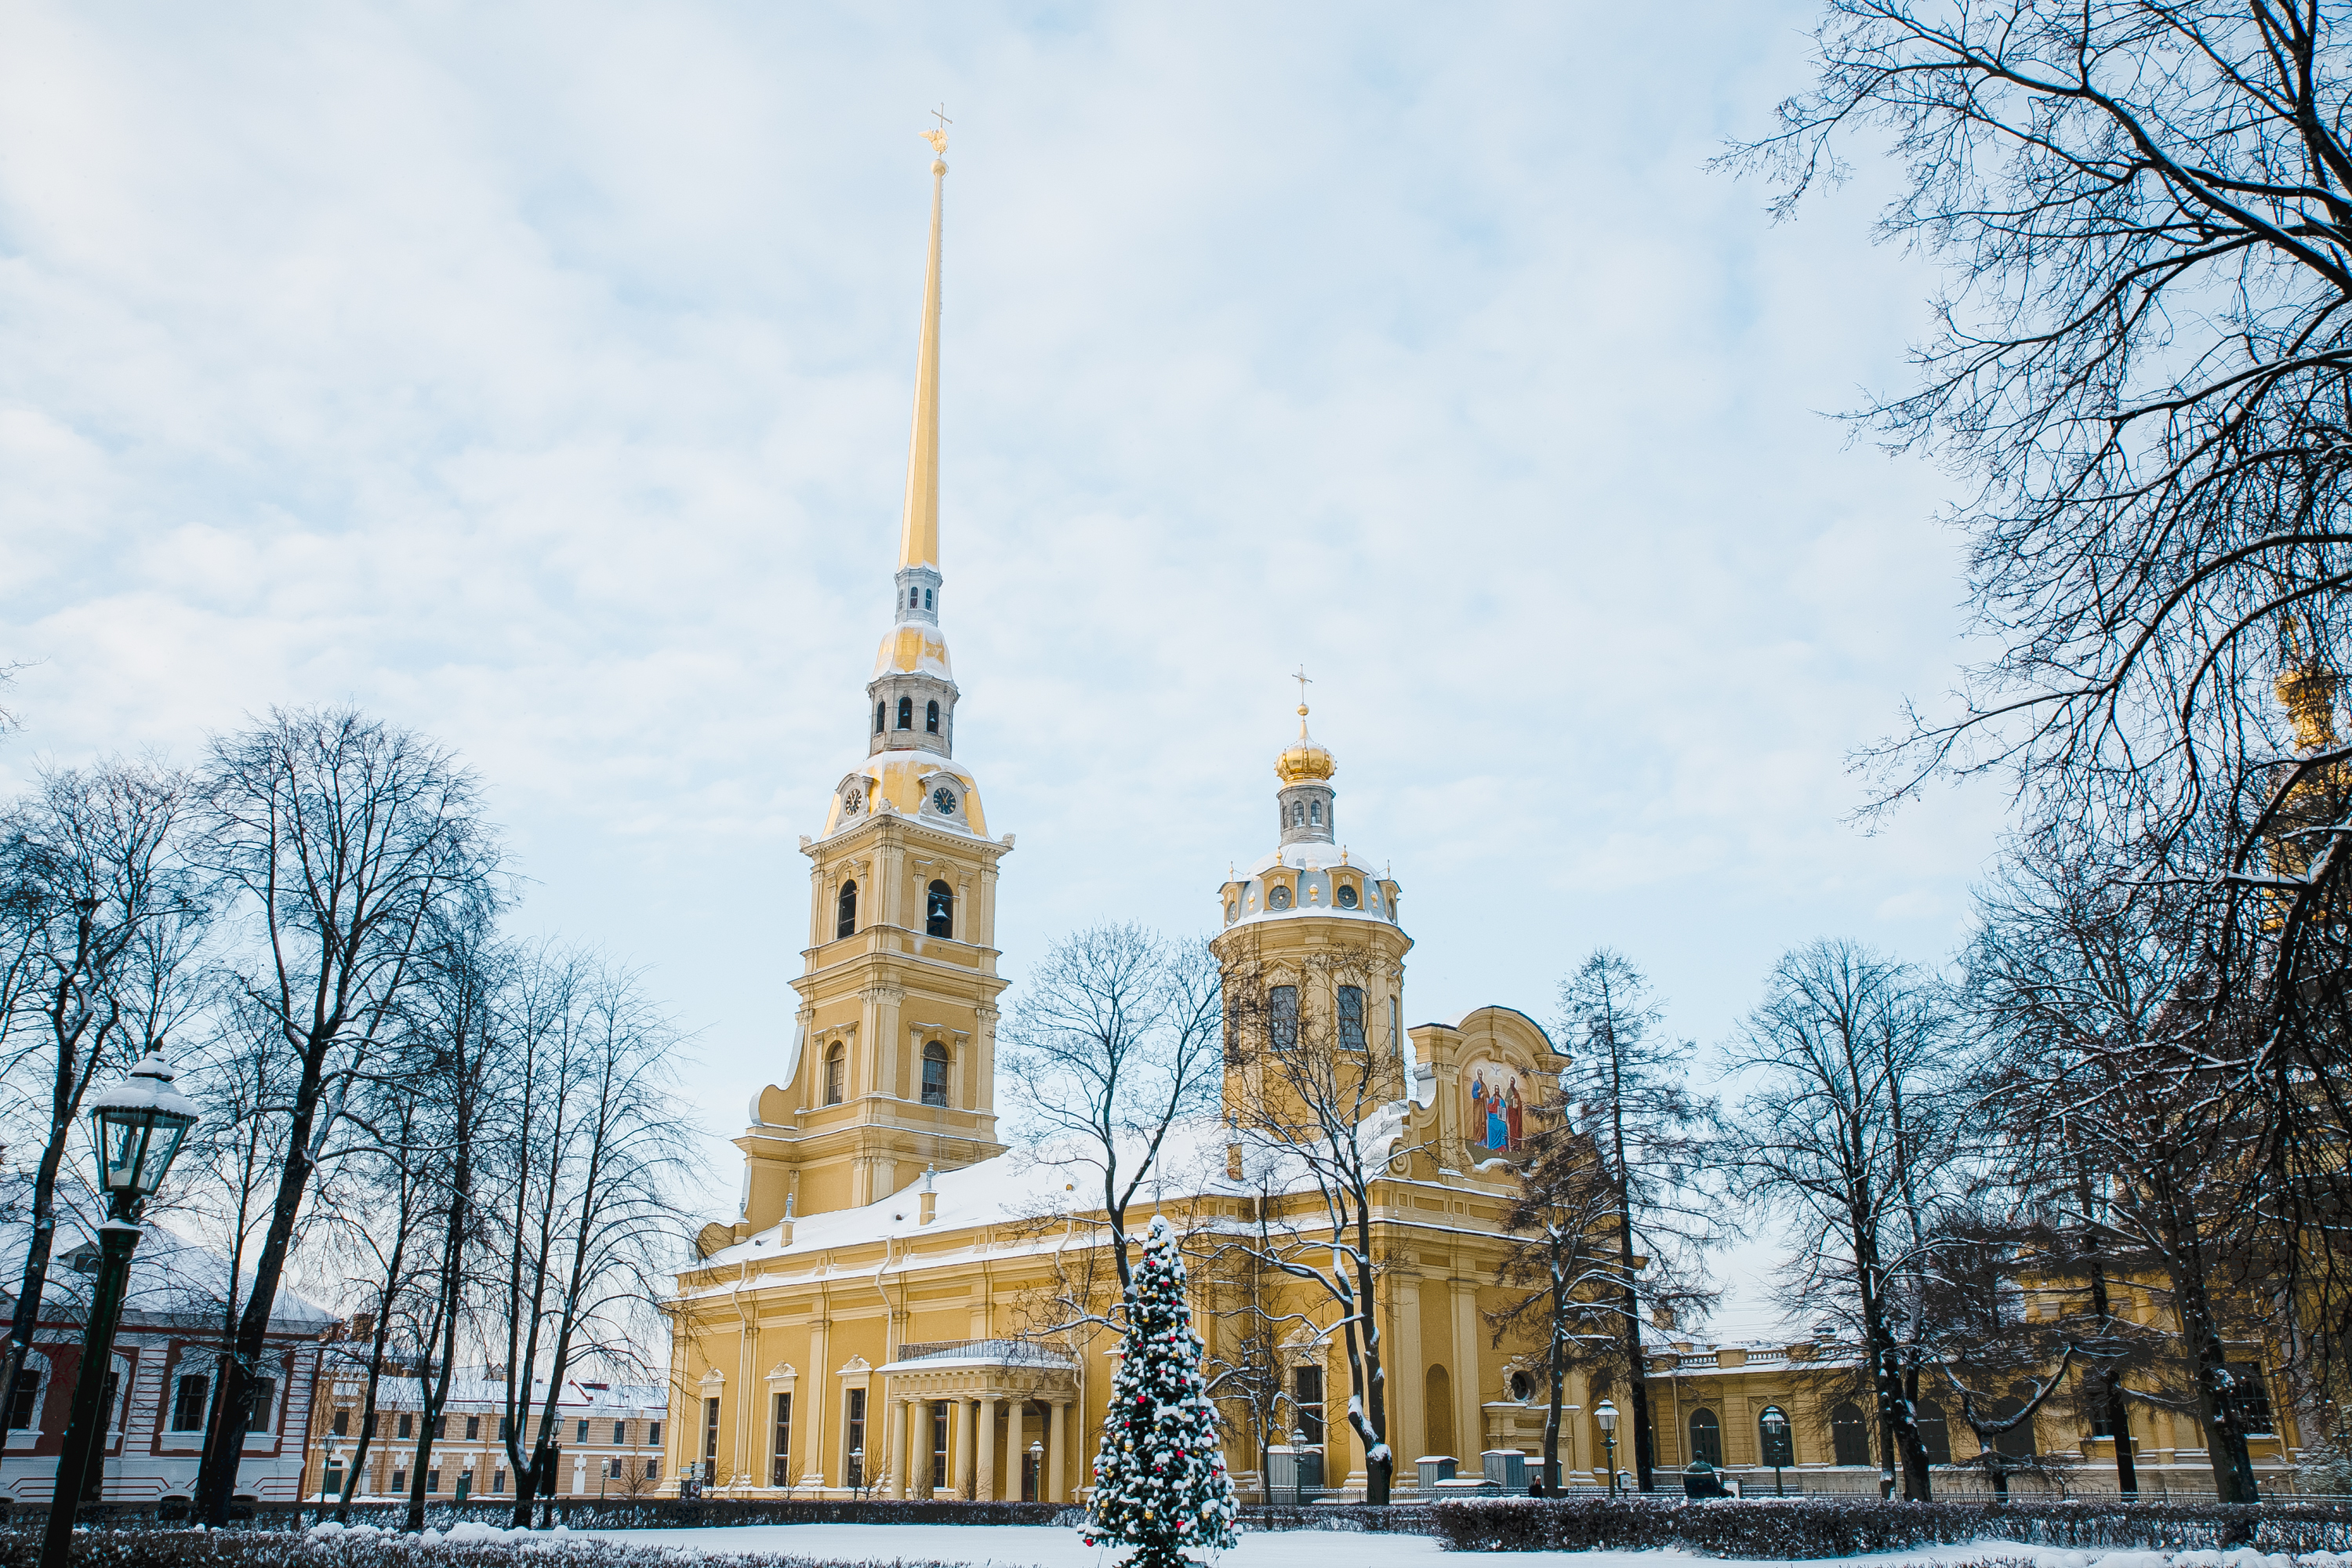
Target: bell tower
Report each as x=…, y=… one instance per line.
x=892, y=1065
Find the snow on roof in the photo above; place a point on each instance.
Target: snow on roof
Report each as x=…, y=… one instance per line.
x=171, y=1276
x=1042, y=1187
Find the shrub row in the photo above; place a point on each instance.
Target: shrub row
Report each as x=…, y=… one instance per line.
x=1840, y=1527
x=588, y=1513
x=20, y=1547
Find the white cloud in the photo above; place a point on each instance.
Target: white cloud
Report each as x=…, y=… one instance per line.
x=540, y=378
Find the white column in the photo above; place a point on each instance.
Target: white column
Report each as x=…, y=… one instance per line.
x=1016, y=1431
x=1057, y=1435
x=960, y=1462
x=891, y=1447
x=915, y=1474
x=984, y=1474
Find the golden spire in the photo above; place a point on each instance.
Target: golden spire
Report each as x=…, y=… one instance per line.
x=1305, y=759
x=2307, y=691
x=919, y=536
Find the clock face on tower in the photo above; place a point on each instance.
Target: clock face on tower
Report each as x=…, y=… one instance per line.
x=943, y=802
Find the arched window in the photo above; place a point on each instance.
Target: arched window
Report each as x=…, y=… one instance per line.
x=1346, y=897
x=1282, y=1015
x=1314, y=812
x=927, y=599
x=931, y=718
x=914, y=597
x=1437, y=1410
x=1849, y=1438
x=935, y=1074
x=2018, y=1441
x=1935, y=1433
x=905, y=712
x=938, y=911
x=1352, y=1017
x=1776, y=1449
x=837, y=1073
x=1706, y=1438
x=1298, y=814
x=881, y=711
x=845, y=924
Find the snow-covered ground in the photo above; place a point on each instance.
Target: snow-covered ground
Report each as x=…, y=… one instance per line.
x=1044, y=1546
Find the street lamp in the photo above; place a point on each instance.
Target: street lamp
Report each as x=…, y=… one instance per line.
x=858, y=1468
x=1775, y=1421
x=138, y=1127
x=1606, y=1413
x=1038, y=1465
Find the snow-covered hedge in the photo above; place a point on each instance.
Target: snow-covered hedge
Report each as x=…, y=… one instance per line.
x=1842, y=1526
x=468, y=1545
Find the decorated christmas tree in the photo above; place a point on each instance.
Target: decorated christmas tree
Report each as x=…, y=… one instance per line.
x=1160, y=1480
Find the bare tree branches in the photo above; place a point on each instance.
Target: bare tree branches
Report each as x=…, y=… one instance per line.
x=1113, y=1043
x=1848, y=1129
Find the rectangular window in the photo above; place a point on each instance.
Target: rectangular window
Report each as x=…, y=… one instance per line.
x=407, y=1427
x=498, y=1479
x=433, y=1480
x=581, y=1436
x=473, y=1427
x=939, y=1445
x=853, y=1440
x=505, y=1427
x=188, y=1403
x=334, y=1487
x=1396, y=1041
x=342, y=1423
x=265, y=1401
x=652, y=1432
x=653, y=1469
x=370, y=1424
x=620, y=1433
x=29, y=1393
x=399, y=1479
x=440, y=1426
x=1352, y=1017
x=110, y=1421
x=1282, y=1016
x=1306, y=1394
x=710, y=1441
x=780, y=1454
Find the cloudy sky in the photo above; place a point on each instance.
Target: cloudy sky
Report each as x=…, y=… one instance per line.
x=538, y=376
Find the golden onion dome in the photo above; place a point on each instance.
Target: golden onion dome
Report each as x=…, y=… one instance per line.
x=1304, y=760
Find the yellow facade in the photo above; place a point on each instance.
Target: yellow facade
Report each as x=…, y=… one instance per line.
x=870, y=1316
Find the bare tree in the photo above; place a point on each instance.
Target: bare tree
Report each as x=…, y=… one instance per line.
x=380, y=1198
x=1631, y=1095
x=341, y=839
x=103, y=918
x=1324, y=1107
x=2144, y=357
x=1847, y=1129
x=594, y=1153
x=1565, y=1267
x=1113, y=1044
x=453, y=1050
x=2092, y=994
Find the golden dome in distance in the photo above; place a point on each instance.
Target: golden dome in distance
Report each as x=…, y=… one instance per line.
x=1305, y=759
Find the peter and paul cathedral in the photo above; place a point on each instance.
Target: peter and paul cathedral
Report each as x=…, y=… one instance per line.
x=872, y=1318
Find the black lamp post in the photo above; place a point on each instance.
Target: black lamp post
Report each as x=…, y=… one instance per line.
x=1606, y=1413
x=138, y=1127
x=1775, y=1421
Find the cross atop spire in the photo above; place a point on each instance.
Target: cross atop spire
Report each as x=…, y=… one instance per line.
x=1302, y=677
